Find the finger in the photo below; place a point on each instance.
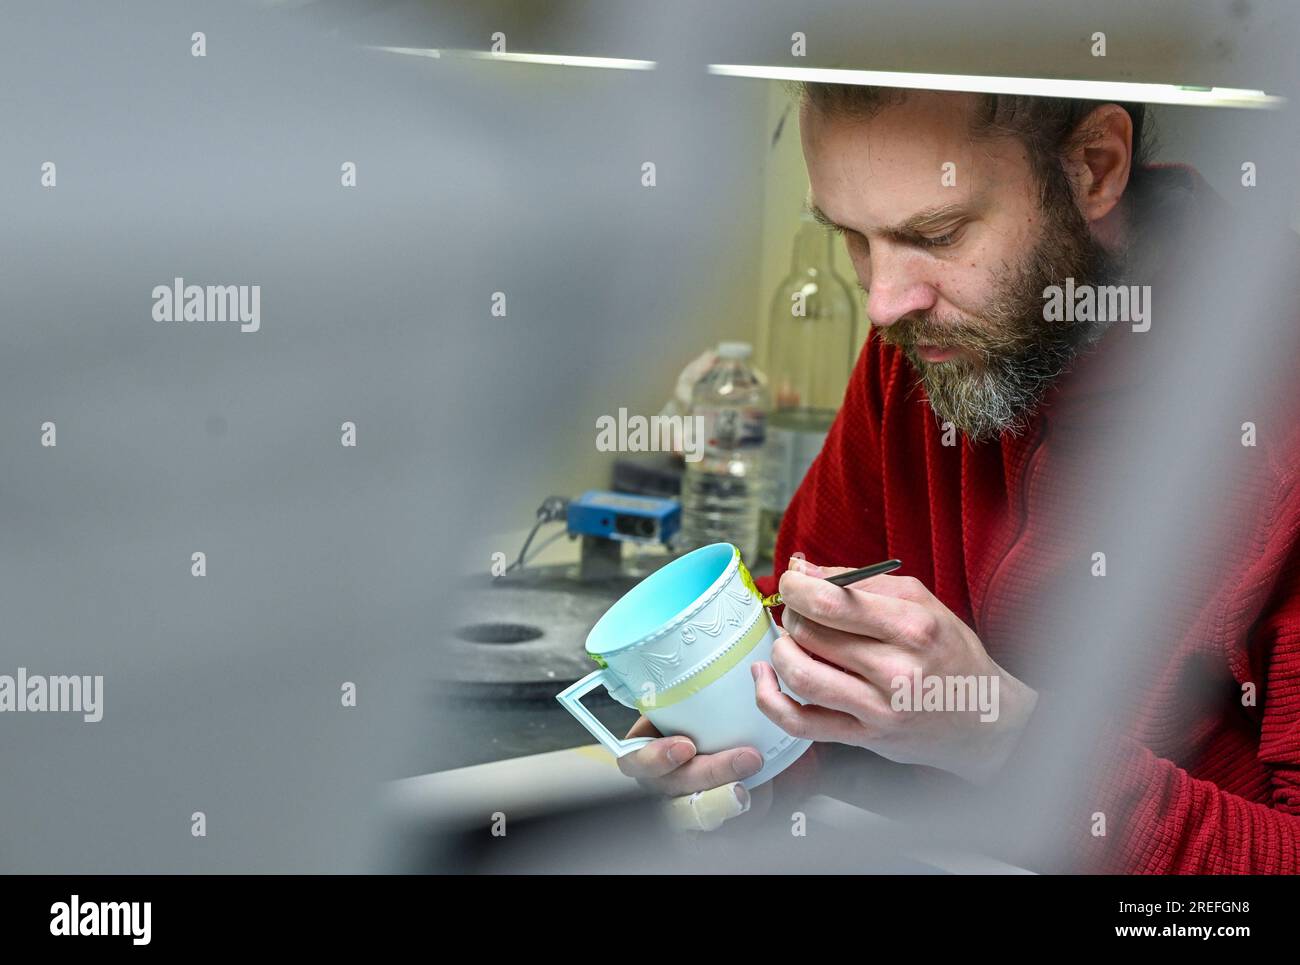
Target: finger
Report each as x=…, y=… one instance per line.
x=899, y=587
x=707, y=810
x=799, y=625
x=801, y=565
x=706, y=771
x=806, y=722
x=886, y=584
x=872, y=660
x=810, y=570
x=643, y=727
x=821, y=683
x=657, y=758
x=869, y=614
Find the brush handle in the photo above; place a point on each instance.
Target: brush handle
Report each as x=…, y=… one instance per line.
x=875, y=569
x=845, y=579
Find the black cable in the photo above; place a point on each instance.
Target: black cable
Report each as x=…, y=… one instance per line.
x=553, y=509
x=519, y=561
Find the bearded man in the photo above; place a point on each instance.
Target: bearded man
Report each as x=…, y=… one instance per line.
x=976, y=427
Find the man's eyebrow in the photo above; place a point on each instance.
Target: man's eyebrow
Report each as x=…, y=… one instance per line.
x=930, y=219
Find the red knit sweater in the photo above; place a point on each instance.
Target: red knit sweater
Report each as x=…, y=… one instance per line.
x=1199, y=783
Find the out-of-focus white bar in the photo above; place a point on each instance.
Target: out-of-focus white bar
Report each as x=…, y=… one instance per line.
x=1103, y=90
x=409, y=51
x=531, y=786
x=555, y=60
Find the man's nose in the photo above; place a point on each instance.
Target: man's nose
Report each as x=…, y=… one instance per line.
x=896, y=293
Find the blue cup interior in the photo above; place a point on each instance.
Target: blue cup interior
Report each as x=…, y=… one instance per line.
x=659, y=598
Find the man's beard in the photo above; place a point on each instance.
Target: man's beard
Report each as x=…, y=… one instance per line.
x=1017, y=354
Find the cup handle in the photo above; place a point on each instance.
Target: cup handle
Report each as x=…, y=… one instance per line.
x=571, y=700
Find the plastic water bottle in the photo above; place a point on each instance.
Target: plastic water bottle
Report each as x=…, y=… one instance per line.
x=721, y=490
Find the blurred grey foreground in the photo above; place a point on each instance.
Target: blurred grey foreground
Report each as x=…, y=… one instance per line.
x=329, y=565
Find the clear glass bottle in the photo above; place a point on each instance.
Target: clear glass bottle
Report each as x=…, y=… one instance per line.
x=811, y=350
x=720, y=491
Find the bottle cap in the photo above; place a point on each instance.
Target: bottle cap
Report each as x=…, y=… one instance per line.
x=735, y=350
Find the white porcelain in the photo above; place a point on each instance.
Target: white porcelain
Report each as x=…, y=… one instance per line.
x=678, y=647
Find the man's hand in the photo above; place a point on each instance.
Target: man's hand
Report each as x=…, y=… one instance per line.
x=705, y=787
x=852, y=651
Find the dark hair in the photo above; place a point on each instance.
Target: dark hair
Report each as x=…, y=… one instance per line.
x=1050, y=127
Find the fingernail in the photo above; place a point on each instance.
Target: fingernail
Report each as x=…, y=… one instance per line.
x=679, y=752
x=742, y=796
x=789, y=621
x=753, y=670
x=747, y=764
x=797, y=563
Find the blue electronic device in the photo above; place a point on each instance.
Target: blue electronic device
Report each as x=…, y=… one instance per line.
x=624, y=517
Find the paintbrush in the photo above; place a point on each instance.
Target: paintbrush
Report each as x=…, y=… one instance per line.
x=845, y=579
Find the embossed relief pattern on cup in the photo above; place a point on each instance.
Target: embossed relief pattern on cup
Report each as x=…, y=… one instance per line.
x=731, y=609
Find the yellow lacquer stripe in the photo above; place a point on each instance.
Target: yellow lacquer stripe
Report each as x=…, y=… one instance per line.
x=772, y=599
x=697, y=682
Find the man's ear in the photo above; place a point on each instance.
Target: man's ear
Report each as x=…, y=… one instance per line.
x=1100, y=165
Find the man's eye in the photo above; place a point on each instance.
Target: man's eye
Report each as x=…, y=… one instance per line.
x=941, y=241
